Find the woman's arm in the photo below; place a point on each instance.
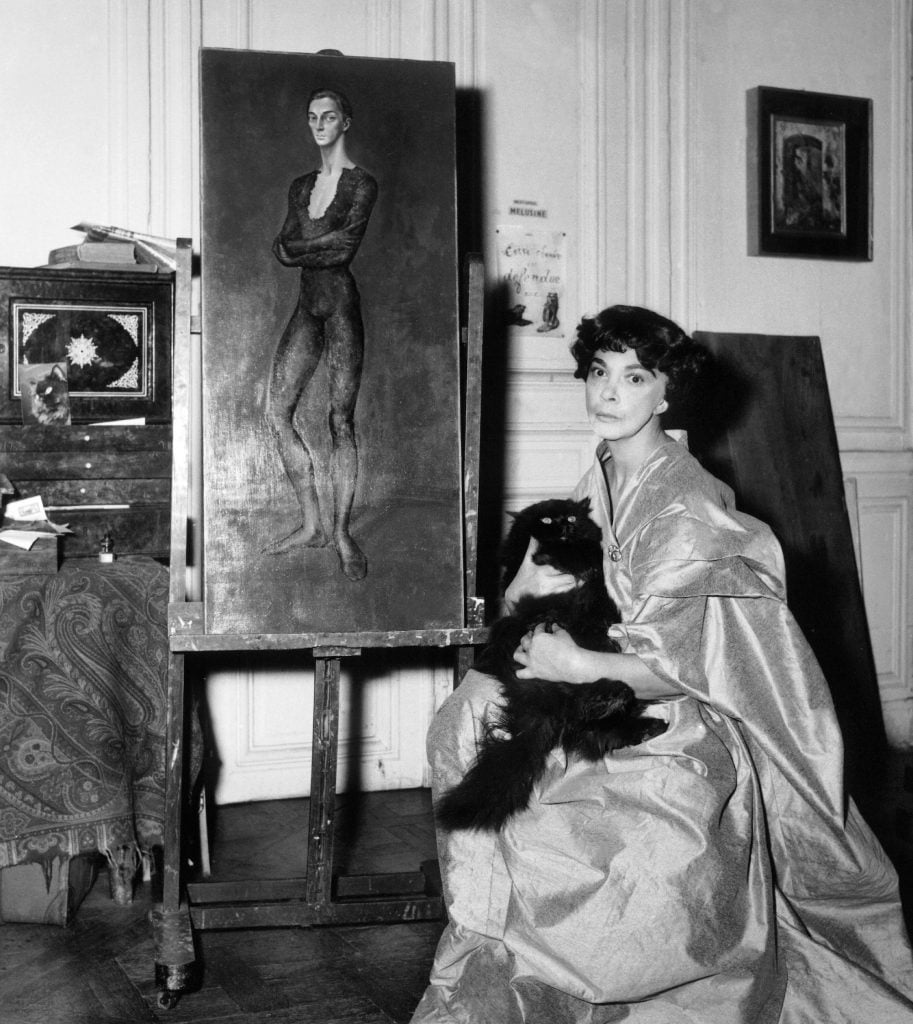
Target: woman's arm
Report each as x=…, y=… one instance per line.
x=555, y=657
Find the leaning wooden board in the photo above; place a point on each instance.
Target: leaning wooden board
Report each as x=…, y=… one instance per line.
x=764, y=424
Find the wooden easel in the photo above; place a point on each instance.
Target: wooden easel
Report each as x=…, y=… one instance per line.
x=311, y=900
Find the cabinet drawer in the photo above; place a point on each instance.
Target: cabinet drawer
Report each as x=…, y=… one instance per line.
x=85, y=438
x=141, y=530
x=97, y=480
x=97, y=492
x=57, y=465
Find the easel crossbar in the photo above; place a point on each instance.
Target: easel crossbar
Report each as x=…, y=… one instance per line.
x=185, y=635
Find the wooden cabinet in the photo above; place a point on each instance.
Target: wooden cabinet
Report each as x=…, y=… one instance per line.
x=99, y=480
x=114, y=330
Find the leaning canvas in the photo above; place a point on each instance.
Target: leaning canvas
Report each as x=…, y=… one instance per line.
x=330, y=344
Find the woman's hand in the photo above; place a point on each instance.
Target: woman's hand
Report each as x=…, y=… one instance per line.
x=549, y=654
x=553, y=656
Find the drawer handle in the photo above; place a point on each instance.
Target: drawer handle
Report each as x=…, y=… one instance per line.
x=82, y=490
x=87, y=437
x=88, y=465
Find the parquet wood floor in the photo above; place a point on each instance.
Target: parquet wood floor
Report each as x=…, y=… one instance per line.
x=99, y=970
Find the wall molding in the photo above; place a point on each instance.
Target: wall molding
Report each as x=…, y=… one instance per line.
x=174, y=36
x=451, y=33
x=883, y=528
x=647, y=128
x=900, y=206
x=861, y=463
x=593, y=133
x=884, y=484
x=240, y=15
x=384, y=29
x=129, y=108
x=682, y=255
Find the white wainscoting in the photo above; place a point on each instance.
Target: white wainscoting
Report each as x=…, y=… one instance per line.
x=262, y=720
x=884, y=483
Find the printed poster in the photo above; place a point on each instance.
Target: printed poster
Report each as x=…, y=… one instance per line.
x=532, y=267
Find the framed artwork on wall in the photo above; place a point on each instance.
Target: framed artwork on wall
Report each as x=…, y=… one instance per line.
x=79, y=346
x=809, y=174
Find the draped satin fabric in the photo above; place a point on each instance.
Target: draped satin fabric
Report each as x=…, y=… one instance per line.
x=716, y=874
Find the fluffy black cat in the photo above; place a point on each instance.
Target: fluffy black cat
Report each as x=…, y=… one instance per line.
x=587, y=720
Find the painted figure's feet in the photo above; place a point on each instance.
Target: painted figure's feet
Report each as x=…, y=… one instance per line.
x=300, y=537
x=351, y=557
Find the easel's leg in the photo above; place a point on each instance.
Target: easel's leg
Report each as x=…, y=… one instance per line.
x=172, y=936
x=322, y=811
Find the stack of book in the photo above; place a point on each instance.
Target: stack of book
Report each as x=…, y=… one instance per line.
x=110, y=254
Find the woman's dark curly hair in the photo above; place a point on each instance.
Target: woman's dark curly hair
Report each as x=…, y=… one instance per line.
x=659, y=344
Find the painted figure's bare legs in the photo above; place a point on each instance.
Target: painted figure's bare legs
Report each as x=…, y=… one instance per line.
x=294, y=362
x=341, y=335
x=344, y=462
x=345, y=355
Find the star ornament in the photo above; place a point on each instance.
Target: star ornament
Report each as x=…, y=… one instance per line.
x=81, y=351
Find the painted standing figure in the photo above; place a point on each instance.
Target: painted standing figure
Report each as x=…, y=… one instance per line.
x=328, y=211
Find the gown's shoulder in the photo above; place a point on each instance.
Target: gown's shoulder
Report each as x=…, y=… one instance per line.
x=687, y=529
x=672, y=475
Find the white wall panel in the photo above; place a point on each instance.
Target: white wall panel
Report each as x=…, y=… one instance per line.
x=545, y=464
x=546, y=403
x=885, y=492
x=263, y=738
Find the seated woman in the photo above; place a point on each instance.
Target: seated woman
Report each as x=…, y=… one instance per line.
x=717, y=873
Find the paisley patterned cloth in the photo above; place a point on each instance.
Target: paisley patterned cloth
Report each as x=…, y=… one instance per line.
x=83, y=682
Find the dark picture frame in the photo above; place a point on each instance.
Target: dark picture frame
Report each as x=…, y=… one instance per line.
x=112, y=329
x=810, y=174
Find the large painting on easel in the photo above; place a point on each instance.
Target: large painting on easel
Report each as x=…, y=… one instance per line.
x=331, y=397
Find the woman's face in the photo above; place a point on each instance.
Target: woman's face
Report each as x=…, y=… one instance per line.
x=621, y=396
x=326, y=121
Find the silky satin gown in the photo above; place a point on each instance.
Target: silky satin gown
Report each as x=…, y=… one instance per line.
x=715, y=874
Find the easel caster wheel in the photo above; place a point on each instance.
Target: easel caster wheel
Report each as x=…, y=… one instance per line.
x=168, y=1000
x=173, y=980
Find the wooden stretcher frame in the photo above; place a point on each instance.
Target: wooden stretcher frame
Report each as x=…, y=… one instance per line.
x=317, y=898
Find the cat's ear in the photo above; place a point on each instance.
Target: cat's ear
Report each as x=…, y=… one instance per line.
x=58, y=373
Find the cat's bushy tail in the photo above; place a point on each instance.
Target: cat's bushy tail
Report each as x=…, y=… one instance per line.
x=500, y=781
x=587, y=720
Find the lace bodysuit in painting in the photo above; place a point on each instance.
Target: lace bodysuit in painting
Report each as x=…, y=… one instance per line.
x=327, y=322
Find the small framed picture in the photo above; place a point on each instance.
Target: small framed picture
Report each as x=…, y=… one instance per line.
x=810, y=174
x=45, y=394
x=104, y=338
